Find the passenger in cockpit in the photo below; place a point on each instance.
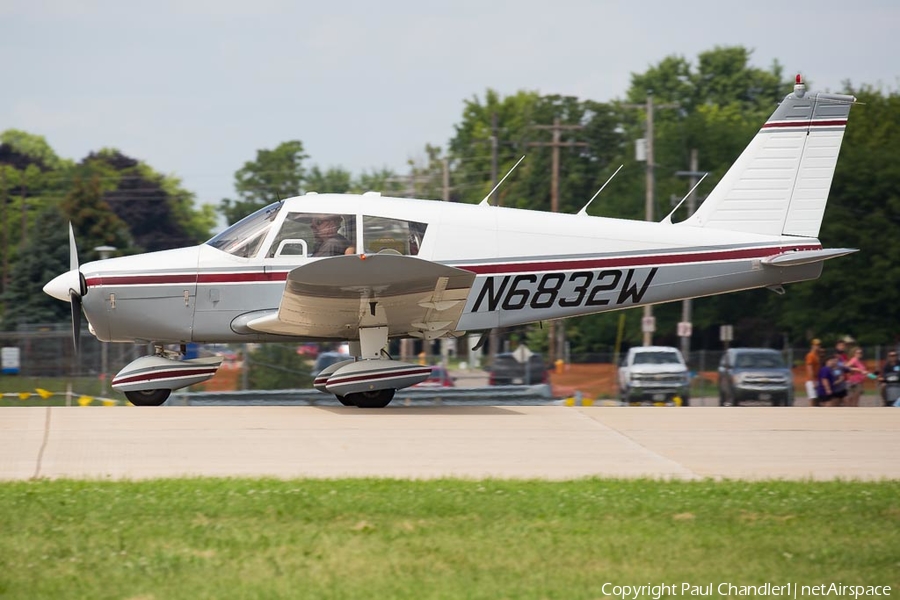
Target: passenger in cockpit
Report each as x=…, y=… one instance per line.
x=328, y=241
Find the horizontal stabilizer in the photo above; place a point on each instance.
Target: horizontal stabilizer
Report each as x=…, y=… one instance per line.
x=803, y=257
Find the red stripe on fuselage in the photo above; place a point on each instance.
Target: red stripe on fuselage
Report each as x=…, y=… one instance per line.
x=630, y=260
x=633, y=261
x=186, y=279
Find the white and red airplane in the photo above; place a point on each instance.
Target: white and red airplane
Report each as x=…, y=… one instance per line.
x=366, y=268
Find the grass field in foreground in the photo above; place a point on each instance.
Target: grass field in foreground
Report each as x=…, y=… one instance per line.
x=376, y=538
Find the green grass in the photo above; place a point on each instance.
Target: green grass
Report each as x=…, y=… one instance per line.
x=373, y=538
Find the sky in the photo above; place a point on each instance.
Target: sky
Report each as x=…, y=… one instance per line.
x=195, y=87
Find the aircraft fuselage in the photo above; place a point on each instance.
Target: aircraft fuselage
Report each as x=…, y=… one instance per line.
x=529, y=266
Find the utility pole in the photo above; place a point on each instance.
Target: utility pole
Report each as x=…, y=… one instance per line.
x=648, y=323
x=556, y=129
x=556, y=334
x=684, y=327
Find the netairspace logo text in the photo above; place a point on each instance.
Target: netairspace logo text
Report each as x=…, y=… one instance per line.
x=788, y=590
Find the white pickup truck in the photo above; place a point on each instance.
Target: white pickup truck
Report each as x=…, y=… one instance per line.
x=654, y=375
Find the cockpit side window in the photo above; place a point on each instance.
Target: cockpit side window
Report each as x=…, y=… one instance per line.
x=403, y=237
x=244, y=237
x=315, y=235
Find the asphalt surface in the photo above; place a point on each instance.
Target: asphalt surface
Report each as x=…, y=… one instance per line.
x=548, y=442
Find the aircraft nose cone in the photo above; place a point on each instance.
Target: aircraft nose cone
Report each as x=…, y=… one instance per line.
x=60, y=285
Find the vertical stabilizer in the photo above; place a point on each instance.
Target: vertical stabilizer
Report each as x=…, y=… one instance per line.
x=779, y=185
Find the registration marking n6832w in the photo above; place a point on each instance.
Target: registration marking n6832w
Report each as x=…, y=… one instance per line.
x=606, y=287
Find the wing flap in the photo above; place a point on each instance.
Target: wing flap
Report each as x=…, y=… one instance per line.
x=335, y=297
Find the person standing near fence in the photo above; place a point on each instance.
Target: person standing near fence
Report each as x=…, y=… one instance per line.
x=839, y=389
x=830, y=377
x=813, y=365
x=856, y=375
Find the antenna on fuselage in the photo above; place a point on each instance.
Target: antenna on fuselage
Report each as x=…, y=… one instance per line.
x=668, y=218
x=485, y=201
x=583, y=211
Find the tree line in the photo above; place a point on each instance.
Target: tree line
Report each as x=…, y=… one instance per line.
x=713, y=105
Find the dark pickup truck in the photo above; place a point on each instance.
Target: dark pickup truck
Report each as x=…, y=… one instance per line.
x=507, y=370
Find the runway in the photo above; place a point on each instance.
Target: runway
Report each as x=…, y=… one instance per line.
x=545, y=442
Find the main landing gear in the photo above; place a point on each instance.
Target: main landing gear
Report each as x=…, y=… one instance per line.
x=149, y=380
x=370, y=381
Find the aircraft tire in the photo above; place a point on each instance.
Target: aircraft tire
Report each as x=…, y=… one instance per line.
x=373, y=399
x=148, y=397
x=343, y=400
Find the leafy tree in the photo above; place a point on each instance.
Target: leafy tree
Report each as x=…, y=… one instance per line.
x=20, y=149
x=159, y=213
x=522, y=128
x=333, y=180
x=95, y=224
x=274, y=175
x=722, y=76
x=27, y=187
x=378, y=180
x=471, y=145
x=44, y=257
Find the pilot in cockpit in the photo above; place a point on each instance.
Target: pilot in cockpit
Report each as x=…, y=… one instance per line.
x=328, y=242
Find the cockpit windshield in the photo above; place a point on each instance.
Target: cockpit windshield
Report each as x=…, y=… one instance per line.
x=244, y=237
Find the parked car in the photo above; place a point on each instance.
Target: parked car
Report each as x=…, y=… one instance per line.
x=755, y=374
x=439, y=377
x=654, y=375
x=326, y=359
x=310, y=350
x=506, y=369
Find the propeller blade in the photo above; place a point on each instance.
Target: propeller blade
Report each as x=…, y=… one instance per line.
x=75, y=294
x=75, y=299
x=73, y=250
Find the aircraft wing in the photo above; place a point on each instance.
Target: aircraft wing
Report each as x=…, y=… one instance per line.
x=335, y=297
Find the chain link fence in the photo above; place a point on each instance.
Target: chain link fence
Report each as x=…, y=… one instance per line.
x=47, y=351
